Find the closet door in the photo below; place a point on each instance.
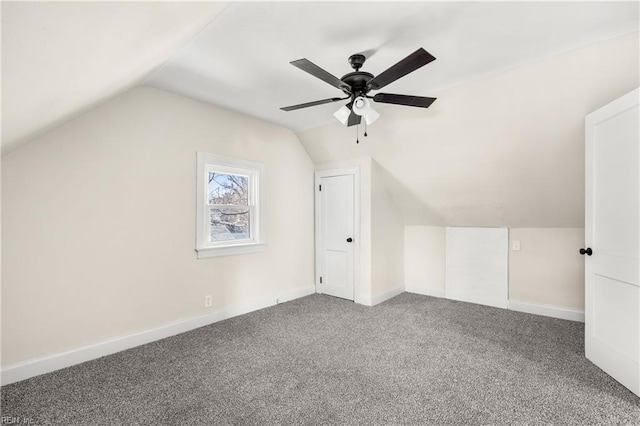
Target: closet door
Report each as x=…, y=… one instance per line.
x=336, y=239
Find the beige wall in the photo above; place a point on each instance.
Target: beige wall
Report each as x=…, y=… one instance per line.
x=424, y=259
x=548, y=269
x=99, y=223
x=387, y=236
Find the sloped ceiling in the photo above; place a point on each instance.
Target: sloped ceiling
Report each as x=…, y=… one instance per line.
x=502, y=145
x=241, y=61
x=503, y=150
x=61, y=58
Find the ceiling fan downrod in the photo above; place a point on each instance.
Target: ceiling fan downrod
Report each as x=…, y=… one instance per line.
x=356, y=61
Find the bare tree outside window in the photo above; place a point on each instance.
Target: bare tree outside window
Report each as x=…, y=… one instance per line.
x=229, y=213
x=229, y=206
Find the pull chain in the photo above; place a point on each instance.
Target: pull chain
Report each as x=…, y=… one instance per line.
x=365, y=129
x=357, y=131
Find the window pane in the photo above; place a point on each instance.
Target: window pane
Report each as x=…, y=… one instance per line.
x=228, y=224
x=227, y=188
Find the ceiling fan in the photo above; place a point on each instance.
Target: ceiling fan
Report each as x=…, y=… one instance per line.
x=357, y=85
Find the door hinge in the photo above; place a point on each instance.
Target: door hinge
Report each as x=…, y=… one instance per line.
x=320, y=280
x=319, y=187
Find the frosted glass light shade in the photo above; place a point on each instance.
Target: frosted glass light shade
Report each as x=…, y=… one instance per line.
x=342, y=114
x=371, y=116
x=361, y=106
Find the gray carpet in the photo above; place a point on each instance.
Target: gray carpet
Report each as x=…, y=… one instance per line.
x=320, y=360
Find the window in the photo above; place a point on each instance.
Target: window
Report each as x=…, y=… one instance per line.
x=229, y=206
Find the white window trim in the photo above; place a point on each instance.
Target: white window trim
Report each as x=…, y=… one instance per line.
x=255, y=171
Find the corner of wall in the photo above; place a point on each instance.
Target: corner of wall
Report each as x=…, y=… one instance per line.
x=387, y=236
x=424, y=259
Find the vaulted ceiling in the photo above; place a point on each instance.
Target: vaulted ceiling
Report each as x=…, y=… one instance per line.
x=241, y=61
x=61, y=58
x=502, y=145
x=503, y=150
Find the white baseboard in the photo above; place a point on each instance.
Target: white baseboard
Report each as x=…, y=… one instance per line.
x=379, y=298
x=35, y=367
x=425, y=291
x=546, y=310
x=364, y=300
x=514, y=305
x=296, y=293
x=389, y=294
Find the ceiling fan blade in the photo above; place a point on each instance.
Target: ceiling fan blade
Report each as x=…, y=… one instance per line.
x=308, y=66
x=353, y=119
x=415, y=101
x=310, y=104
x=409, y=64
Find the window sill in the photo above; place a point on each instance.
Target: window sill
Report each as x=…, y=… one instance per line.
x=230, y=250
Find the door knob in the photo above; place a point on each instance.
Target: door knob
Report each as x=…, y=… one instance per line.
x=349, y=239
x=588, y=251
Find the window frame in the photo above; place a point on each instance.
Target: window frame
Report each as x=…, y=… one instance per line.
x=255, y=175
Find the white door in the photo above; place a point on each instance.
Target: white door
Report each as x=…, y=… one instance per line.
x=612, y=235
x=476, y=265
x=335, y=233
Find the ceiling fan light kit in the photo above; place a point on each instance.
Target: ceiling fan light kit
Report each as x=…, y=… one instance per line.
x=356, y=86
x=371, y=116
x=363, y=108
x=360, y=106
x=342, y=114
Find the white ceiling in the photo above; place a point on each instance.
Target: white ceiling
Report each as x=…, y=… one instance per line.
x=61, y=58
x=241, y=60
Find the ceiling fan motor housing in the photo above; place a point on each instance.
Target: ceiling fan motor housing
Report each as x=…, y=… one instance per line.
x=358, y=80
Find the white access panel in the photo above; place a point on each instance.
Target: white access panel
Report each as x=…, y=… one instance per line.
x=477, y=265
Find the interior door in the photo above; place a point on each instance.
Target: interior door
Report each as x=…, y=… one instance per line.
x=335, y=219
x=612, y=235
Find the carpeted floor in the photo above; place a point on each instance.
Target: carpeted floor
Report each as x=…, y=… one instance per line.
x=320, y=360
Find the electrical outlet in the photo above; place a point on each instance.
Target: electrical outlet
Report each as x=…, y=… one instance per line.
x=208, y=301
x=515, y=245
